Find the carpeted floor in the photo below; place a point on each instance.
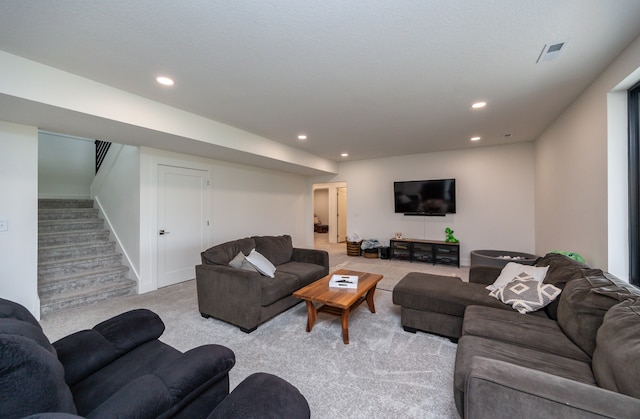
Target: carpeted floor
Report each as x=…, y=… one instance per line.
x=384, y=371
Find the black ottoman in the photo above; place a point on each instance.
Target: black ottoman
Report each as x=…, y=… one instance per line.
x=436, y=303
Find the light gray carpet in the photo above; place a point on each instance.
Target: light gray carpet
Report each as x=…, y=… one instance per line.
x=384, y=371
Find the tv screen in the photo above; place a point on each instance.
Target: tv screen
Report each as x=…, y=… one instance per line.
x=425, y=197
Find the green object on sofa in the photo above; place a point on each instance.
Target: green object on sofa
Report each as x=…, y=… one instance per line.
x=246, y=298
x=571, y=255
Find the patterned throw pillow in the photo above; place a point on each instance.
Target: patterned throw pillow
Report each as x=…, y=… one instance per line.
x=526, y=294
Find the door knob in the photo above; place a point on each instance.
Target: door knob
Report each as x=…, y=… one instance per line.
x=162, y=232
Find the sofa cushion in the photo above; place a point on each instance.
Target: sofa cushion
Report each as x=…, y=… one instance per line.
x=616, y=359
x=261, y=263
x=561, y=269
x=223, y=253
x=32, y=379
x=306, y=272
x=542, y=334
x=283, y=284
x=526, y=295
x=473, y=346
x=95, y=389
x=278, y=249
x=514, y=270
x=9, y=326
x=583, y=304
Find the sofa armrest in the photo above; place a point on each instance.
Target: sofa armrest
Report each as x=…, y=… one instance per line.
x=230, y=294
x=85, y=352
x=318, y=257
x=263, y=395
x=481, y=274
x=165, y=391
x=498, y=389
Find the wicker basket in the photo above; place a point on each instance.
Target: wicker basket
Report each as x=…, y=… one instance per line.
x=353, y=248
x=371, y=253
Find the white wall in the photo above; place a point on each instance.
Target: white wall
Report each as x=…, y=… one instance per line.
x=19, y=206
x=244, y=201
x=572, y=172
x=494, y=188
x=66, y=166
x=116, y=190
x=321, y=204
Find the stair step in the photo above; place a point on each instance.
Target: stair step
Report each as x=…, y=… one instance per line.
x=72, y=236
x=51, y=226
x=88, y=295
x=77, y=260
x=67, y=213
x=65, y=203
x=53, y=269
x=62, y=284
x=74, y=250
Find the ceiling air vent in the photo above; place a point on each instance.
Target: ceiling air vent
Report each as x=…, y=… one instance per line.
x=552, y=51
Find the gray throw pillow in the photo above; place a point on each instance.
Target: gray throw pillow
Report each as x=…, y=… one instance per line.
x=526, y=295
x=241, y=262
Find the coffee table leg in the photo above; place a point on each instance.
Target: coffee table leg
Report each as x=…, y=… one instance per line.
x=345, y=326
x=311, y=316
x=369, y=297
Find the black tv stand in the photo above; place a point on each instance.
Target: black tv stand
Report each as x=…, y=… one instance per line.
x=430, y=251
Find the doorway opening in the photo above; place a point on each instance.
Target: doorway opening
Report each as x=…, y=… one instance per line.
x=330, y=212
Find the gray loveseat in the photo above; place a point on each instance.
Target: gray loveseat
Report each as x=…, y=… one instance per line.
x=246, y=298
x=578, y=357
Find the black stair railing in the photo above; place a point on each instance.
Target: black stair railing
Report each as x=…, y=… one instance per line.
x=102, y=147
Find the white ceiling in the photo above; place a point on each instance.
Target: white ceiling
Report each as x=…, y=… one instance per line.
x=372, y=78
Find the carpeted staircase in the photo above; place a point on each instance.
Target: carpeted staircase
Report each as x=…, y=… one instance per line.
x=77, y=261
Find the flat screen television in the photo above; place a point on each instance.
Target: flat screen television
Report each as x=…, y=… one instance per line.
x=425, y=197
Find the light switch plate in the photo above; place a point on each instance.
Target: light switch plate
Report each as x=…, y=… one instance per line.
x=4, y=225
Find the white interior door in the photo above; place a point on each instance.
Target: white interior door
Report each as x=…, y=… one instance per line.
x=181, y=222
x=342, y=215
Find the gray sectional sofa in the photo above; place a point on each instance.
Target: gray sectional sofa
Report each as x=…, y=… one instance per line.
x=246, y=298
x=577, y=357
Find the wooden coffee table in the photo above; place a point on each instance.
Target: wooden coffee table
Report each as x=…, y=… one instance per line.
x=338, y=301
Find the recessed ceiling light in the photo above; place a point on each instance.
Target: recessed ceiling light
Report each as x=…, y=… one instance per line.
x=345, y=154
x=475, y=138
x=479, y=105
x=165, y=81
x=302, y=137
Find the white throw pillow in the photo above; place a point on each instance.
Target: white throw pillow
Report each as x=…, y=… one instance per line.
x=240, y=261
x=514, y=270
x=261, y=263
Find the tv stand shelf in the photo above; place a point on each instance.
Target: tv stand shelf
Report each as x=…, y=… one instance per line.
x=429, y=251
